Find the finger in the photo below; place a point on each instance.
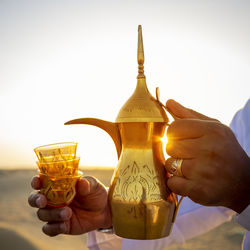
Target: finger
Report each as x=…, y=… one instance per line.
x=187, y=167
x=35, y=183
x=187, y=128
x=54, y=214
x=180, y=185
x=37, y=200
x=87, y=185
x=84, y=186
x=184, y=149
x=196, y=191
x=87, y=191
x=179, y=111
x=53, y=229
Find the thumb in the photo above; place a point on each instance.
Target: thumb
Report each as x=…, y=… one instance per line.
x=91, y=194
x=181, y=112
x=87, y=186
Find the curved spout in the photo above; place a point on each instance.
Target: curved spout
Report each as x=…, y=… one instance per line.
x=110, y=127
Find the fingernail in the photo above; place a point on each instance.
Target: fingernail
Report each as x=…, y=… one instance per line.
x=88, y=187
x=83, y=187
x=39, y=202
x=65, y=214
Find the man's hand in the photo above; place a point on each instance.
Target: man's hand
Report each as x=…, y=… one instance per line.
x=215, y=167
x=88, y=211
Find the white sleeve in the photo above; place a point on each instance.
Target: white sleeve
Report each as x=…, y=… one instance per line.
x=103, y=241
x=244, y=218
x=241, y=128
x=192, y=220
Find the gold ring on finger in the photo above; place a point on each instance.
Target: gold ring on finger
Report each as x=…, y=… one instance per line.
x=176, y=167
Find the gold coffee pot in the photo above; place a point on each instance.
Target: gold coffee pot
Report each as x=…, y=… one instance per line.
x=142, y=206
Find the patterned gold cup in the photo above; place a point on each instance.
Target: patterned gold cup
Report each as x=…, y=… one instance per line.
x=56, y=152
x=58, y=173
x=59, y=190
x=60, y=168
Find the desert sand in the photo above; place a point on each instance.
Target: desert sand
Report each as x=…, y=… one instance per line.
x=20, y=229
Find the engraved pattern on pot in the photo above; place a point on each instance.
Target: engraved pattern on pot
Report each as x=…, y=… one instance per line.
x=137, y=185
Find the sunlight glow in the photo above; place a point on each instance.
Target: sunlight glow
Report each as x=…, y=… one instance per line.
x=164, y=141
x=81, y=62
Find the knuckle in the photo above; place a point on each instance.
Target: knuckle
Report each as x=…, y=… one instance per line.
x=47, y=230
x=35, y=182
x=200, y=194
x=43, y=214
x=171, y=128
x=54, y=214
x=200, y=190
x=219, y=130
x=211, y=152
x=172, y=185
x=32, y=199
x=208, y=148
x=187, y=168
x=196, y=190
x=52, y=229
x=212, y=171
x=168, y=149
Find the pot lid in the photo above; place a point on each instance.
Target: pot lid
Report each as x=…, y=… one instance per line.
x=141, y=106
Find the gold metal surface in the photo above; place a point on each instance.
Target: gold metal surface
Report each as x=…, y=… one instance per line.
x=59, y=190
x=141, y=106
x=142, y=205
x=62, y=151
x=140, y=54
x=58, y=173
x=110, y=127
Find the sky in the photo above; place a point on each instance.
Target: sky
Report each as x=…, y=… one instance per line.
x=61, y=60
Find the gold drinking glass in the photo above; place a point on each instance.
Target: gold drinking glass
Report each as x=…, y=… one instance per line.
x=59, y=168
x=56, y=152
x=59, y=190
x=58, y=172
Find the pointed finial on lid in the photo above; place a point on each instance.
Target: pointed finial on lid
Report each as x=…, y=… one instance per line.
x=140, y=54
x=141, y=106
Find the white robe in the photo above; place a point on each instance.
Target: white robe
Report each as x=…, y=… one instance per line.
x=241, y=128
x=193, y=219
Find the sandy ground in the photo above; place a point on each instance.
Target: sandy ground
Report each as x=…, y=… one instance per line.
x=20, y=229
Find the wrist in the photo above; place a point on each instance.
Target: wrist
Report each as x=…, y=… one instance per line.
x=241, y=199
x=107, y=222
x=239, y=208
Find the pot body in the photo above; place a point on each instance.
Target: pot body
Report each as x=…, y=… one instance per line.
x=142, y=205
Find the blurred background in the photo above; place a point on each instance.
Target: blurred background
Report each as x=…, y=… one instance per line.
x=61, y=60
